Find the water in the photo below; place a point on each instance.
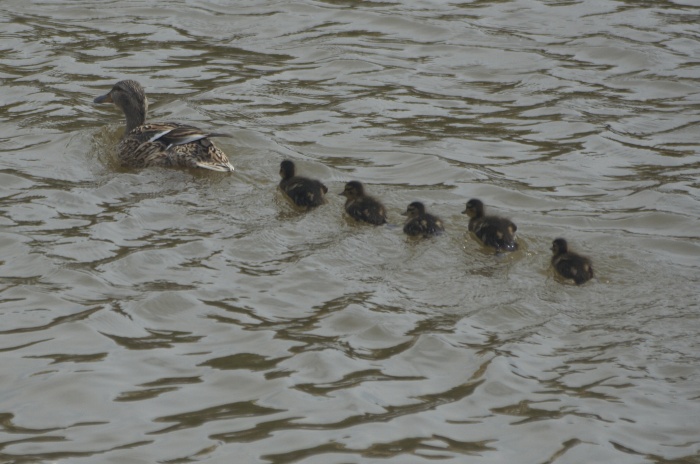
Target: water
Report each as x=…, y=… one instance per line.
x=174, y=316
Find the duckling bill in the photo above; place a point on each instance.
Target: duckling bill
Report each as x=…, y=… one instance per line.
x=361, y=206
x=570, y=265
x=166, y=144
x=302, y=191
x=492, y=231
x=421, y=223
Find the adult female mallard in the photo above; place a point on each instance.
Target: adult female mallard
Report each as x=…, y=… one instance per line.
x=167, y=144
x=570, y=265
x=361, y=206
x=301, y=190
x=421, y=223
x=493, y=231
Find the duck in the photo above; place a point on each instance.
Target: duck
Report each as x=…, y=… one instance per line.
x=421, y=223
x=166, y=144
x=570, y=265
x=492, y=231
x=302, y=191
x=361, y=206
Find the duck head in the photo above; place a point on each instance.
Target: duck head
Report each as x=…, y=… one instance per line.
x=475, y=208
x=128, y=96
x=559, y=246
x=287, y=169
x=415, y=209
x=353, y=189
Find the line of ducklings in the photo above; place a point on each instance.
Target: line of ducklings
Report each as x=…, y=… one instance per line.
x=170, y=144
x=493, y=231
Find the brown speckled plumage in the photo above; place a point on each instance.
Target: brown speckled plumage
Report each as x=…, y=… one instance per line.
x=166, y=144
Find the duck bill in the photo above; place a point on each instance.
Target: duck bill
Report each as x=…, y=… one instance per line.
x=343, y=194
x=106, y=98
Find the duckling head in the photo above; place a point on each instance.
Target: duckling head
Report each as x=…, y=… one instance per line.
x=128, y=96
x=353, y=189
x=415, y=209
x=287, y=169
x=559, y=246
x=475, y=208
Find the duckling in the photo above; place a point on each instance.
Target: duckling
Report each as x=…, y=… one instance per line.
x=493, y=231
x=301, y=190
x=421, y=223
x=166, y=144
x=570, y=265
x=361, y=206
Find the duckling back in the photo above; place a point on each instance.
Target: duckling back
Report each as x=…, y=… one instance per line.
x=420, y=222
x=495, y=232
x=571, y=265
x=426, y=226
x=303, y=191
x=366, y=209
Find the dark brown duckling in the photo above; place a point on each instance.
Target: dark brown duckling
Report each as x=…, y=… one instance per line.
x=421, y=223
x=302, y=191
x=166, y=144
x=493, y=231
x=361, y=206
x=571, y=265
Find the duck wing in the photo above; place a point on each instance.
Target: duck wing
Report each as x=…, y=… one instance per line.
x=173, y=144
x=172, y=134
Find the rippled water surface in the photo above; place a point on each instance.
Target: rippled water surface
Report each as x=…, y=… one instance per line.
x=171, y=316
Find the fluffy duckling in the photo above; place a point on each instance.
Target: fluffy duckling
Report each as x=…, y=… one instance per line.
x=301, y=190
x=361, y=206
x=493, y=231
x=570, y=265
x=421, y=223
x=166, y=144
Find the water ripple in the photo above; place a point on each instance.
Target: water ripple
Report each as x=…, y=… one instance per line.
x=178, y=316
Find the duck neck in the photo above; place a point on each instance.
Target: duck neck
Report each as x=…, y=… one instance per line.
x=134, y=119
x=134, y=108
